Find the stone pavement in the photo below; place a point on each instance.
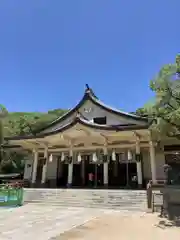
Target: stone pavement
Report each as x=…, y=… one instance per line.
x=125, y=226
x=45, y=222
x=41, y=222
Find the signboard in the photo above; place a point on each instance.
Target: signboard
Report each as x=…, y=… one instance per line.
x=11, y=197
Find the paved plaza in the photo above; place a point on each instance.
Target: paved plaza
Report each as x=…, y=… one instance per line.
x=125, y=226
x=40, y=222
x=46, y=222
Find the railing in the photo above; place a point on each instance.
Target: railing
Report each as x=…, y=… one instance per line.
x=11, y=195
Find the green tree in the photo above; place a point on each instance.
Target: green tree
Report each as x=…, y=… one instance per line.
x=13, y=162
x=21, y=123
x=3, y=113
x=166, y=108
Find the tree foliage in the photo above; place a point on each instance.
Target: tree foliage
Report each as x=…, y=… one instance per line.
x=21, y=123
x=3, y=114
x=166, y=108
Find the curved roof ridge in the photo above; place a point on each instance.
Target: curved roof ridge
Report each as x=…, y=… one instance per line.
x=78, y=119
x=117, y=110
x=89, y=95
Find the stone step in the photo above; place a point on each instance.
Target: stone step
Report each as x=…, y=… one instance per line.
x=109, y=200
x=64, y=195
x=102, y=199
x=142, y=205
x=87, y=193
x=100, y=206
x=81, y=193
x=90, y=191
x=87, y=200
x=85, y=196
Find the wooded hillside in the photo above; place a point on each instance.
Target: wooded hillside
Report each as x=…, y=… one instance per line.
x=21, y=123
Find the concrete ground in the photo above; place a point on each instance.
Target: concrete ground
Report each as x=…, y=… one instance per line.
x=123, y=226
x=44, y=222
x=40, y=222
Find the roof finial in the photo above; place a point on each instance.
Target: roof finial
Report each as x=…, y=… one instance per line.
x=87, y=87
x=89, y=91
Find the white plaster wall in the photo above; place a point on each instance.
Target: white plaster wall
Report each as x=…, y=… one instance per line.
x=96, y=111
x=28, y=169
x=146, y=164
x=52, y=169
x=160, y=161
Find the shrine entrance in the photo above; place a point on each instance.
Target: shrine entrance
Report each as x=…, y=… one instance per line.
x=96, y=169
x=77, y=180
x=80, y=174
x=122, y=173
x=62, y=174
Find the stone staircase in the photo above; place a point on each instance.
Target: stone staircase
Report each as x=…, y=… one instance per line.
x=89, y=198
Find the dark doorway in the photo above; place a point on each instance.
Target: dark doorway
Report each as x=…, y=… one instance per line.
x=97, y=171
x=62, y=175
x=117, y=174
x=132, y=172
x=88, y=168
x=77, y=172
x=41, y=162
x=99, y=175
x=112, y=174
x=121, y=174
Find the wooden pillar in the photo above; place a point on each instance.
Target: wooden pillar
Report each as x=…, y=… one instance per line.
x=35, y=163
x=83, y=170
x=105, y=168
x=153, y=161
x=139, y=164
x=44, y=171
x=70, y=169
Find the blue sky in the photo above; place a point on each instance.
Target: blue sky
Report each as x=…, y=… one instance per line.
x=49, y=50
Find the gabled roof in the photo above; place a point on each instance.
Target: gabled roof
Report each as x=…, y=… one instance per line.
x=89, y=95
x=79, y=120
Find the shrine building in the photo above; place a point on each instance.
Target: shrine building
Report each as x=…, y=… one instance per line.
x=116, y=147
